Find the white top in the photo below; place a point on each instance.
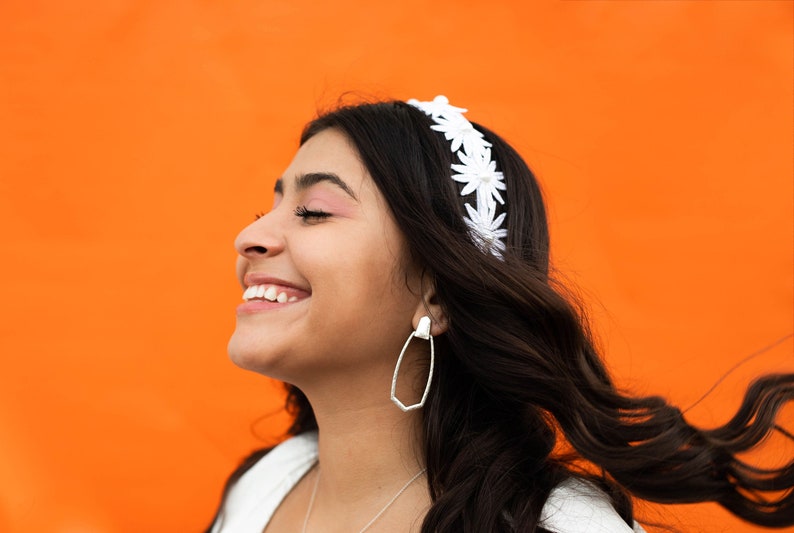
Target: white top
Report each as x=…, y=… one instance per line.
x=573, y=507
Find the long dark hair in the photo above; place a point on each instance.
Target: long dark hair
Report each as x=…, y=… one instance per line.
x=517, y=371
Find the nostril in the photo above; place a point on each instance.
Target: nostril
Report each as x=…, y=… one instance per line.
x=256, y=249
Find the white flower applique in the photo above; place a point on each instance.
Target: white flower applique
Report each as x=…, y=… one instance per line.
x=486, y=229
x=440, y=106
x=460, y=132
x=479, y=173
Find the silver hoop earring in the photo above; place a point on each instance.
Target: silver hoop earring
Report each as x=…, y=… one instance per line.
x=423, y=332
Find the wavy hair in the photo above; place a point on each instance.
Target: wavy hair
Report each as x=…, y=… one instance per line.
x=517, y=371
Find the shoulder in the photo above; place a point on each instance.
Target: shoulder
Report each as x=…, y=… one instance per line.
x=288, y=458
x=255, y=496
x=576, y=506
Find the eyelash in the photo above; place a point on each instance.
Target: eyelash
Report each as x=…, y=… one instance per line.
x=304, y=213
x=300, y=211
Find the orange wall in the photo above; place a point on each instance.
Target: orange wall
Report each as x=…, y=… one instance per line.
x=137, y=137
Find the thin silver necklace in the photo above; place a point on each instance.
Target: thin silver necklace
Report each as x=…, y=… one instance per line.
x=374, y=518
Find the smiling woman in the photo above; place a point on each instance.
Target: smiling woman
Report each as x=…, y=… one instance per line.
x=408, y=248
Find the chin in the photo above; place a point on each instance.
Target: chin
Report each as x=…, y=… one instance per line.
x=247, y=354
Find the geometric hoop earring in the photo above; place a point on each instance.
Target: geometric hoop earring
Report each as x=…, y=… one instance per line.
x=422, y=332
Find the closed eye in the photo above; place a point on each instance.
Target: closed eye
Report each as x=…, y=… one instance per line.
x=306, y=214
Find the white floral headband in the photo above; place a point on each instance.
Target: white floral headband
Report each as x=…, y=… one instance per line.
x=476, y=169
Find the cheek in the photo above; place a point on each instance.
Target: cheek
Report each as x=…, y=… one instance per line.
x=385, y=303
x=359, y=286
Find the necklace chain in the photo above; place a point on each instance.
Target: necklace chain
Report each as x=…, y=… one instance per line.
x=374, y=518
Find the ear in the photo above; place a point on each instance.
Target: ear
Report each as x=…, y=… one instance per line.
x=430, y=306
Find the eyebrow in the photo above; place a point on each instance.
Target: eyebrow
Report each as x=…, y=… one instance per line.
x=304, y=181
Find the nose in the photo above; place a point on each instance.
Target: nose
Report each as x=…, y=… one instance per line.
x=259, y=239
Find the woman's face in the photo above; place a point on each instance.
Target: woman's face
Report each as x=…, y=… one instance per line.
x=328, y=286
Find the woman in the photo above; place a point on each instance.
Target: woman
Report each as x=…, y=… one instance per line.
x=400, y=285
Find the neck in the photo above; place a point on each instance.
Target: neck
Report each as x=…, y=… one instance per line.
x=366, y=445
x=368, y=450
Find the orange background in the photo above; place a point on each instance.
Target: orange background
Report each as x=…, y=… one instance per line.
x=137, y=137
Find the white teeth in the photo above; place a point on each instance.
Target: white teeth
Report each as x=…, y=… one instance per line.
x=270, y=294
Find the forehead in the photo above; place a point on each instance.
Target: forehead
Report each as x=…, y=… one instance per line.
x=329, y=151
